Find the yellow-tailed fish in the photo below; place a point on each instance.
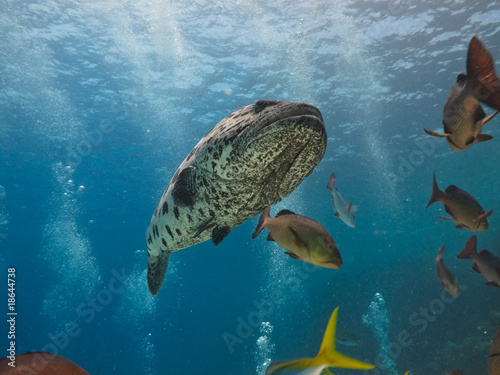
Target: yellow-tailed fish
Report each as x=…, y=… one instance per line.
x=327, y=357
x=463, y=116
x=304, y=238
x=463, y=208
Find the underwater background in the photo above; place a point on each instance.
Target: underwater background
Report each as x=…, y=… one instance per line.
x=100, y=102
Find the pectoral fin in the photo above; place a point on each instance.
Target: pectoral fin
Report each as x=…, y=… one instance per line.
x=493, y=284
x=434, y=134
x=444, y=218
x=219, y=233
x=482, y=138
x=486, y=119
x=296, y=239
x=289, y=367
x=292, y=255
x=462, y=226
x=483, y=216
x=349, y=208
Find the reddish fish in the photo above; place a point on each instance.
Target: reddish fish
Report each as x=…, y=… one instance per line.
x=485, y=263
x=463, y=116
x=40, y=363
x=463, y=208
x=304, y=238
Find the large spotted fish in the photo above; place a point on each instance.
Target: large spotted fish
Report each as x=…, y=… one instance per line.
x=251, y=159
x=463, y=115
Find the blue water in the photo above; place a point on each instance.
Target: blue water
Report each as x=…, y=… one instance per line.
x=100, y=102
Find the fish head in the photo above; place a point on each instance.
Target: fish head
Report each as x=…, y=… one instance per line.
x=328, y=255
x=483, y=225
x=271, y=144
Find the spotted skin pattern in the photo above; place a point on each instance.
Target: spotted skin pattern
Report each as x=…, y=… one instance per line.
x=250, y=160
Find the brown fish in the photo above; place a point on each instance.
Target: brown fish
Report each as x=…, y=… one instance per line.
x=463, y=208
x=494, y=359
x=445, y=276
x=40, y=363
x=485, y=263
x=463, y=116
x=304, y=238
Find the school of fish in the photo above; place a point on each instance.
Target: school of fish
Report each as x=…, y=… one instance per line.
x=251, y=131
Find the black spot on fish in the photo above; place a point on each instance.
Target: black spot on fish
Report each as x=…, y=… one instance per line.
x=150, y=240
x=184, y=191
x=178, y=232
x=164, y=242
x=156, y=212
x=190, y=219
x=201, y=212
x=176, y=212
x=214, y=164
x=165, y=208
x=169, y=231
x=157, y=232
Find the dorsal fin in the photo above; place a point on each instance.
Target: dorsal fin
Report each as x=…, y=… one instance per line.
x=285, y=212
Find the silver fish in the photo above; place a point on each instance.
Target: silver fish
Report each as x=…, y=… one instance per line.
x=445, y=276
x=342, y=210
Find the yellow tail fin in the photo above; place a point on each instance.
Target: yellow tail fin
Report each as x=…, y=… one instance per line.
x=330, y=357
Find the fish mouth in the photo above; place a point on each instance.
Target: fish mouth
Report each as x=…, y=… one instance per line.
x=453, y=145
x=272, y=112
x=332, y=265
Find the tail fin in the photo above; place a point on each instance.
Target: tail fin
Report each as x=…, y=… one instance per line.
x=437, y=194
x=470, y=248
x=260, y=226
x=331, y=183
x=330, y=357
x=481, y=72
x=157, y=267
x=440, y=255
